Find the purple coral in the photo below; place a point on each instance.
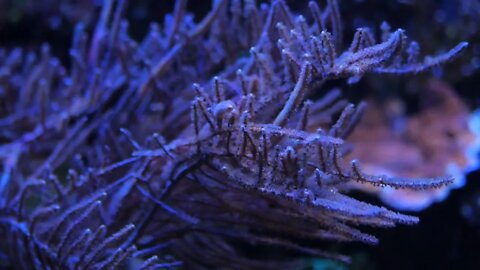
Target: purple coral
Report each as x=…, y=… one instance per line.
x=218, y=147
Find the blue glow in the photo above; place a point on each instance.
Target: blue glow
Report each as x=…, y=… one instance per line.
x=473, y=151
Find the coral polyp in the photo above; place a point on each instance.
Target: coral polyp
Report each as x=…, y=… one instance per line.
x=203, y=138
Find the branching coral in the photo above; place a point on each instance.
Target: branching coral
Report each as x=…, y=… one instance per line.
x=221, y=144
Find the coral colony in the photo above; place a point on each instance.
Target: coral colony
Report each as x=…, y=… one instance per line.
x=207, y=137
x=446, y=145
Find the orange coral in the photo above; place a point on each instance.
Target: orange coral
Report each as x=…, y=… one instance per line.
x=420, y=145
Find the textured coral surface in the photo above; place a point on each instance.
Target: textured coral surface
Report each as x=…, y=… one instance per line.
x=214, y=141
